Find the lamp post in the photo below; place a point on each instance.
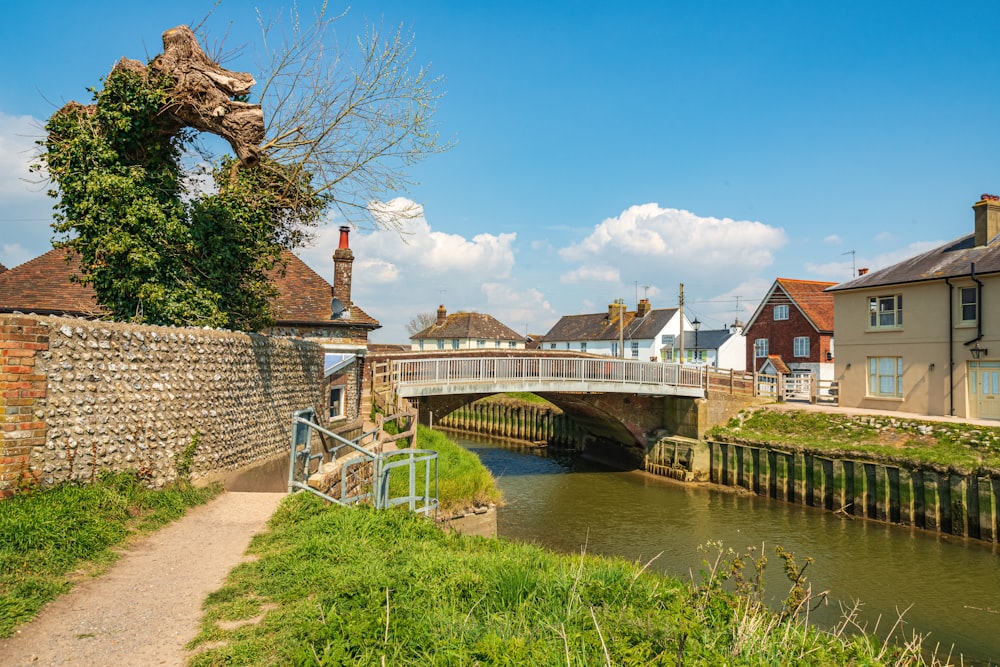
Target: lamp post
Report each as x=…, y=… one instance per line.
x=697, y=325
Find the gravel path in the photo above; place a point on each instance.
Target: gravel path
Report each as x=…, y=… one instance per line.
x=148, y=606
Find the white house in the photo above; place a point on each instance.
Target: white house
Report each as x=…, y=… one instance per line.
x=466, y=331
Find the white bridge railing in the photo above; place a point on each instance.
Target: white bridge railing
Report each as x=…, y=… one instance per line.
x=533, y=370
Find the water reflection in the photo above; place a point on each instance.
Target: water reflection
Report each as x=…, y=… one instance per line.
x=951, y=585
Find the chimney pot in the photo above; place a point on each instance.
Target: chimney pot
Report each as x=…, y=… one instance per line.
x=442, y=315
x=344, y=231
x=862, y=272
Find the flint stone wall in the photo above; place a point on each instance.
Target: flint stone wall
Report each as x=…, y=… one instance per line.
x=121, y=396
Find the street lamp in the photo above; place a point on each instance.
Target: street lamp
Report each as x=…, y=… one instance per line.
x=697, y=325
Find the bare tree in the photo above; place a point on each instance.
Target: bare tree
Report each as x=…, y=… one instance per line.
x=419, y=322
x=353, y=120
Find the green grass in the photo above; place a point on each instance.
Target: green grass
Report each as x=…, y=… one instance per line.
x=50, y=537
x=963, y=447
x=339, y=586
x=516, y=398
x=463, y=481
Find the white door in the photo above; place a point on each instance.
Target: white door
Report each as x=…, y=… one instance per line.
x=984, y=389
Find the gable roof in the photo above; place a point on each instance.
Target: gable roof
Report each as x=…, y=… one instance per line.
x=711, y=339
x=43, y=286
x=469, y=325
x=599, y=326
x=808, y=296
x=951, y=260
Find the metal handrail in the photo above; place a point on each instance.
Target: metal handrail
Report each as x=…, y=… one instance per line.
x=382, y=464
x=568, y=369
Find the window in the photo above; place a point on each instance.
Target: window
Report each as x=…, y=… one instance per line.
x=800, y=346
x=421, y=344
x=511, y=343
x=480, y=343
x=583, y=346
x=497, y=344
x=780, y=313
x=614, y=348
x=760, y=348
x=440, y=344
x=885, y=312
x=635, y=348
x=454, y=343
x=552, y=346
x=336, y=402
x=701, y=355
x=968, y=304
x=885, y=376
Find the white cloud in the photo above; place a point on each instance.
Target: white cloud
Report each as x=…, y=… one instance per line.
x=597, y=273
x=519, y=308
x=648, y=231
x=13, y=254
x=397, y=275
x=18, y=151
x=832, y=238
x=843, y=270
x=884, y=237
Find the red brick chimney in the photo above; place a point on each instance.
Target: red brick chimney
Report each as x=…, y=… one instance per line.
x=643, y=308
x=442, y=315
x=343, y=258
x=862, y=272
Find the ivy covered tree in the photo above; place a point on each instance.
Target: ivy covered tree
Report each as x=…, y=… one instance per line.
x=157, y=250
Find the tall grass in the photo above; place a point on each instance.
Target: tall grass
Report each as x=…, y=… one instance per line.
x=48, y=535
x=463, y=481
x=336, y=586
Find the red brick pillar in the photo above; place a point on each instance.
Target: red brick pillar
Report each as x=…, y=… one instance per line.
x=22, y=394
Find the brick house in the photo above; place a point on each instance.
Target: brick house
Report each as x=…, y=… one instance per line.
x=466, y=331
x=307, y=307
x=923, y=335
x=791, y=332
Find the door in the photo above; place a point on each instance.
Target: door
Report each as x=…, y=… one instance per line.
x=984, y=389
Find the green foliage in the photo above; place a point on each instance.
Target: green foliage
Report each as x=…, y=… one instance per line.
x=48, y=534
x=152, y=251
x=184, y=459
x=352, y=586
x=463, y=480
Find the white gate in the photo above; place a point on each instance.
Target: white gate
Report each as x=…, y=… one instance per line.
x=798, y=387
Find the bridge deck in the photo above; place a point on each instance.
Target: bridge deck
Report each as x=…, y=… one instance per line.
x=426, y=377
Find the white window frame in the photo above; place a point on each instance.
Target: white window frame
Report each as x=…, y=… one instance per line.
x=885, y=377
x=760, y=348
x=440, y=344
x=454, y=343
x=781, y=312
x=635, y=348
x=800, y=346
x=337, y=405
x=583, y=346
x=968, y=305
x=885, y=312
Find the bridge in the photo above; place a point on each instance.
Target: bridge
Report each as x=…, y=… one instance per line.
x=475, y=375
x=624, y=401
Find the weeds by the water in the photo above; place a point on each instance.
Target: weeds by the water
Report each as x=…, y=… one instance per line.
x=463, y=481
x=963, y=446
x=360, y=587
x=48, y=535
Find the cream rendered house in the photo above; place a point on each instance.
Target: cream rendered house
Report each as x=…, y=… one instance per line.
x=923, y=335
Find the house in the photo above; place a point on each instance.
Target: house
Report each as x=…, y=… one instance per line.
x=646, y=334
x=2, y=268
x=307, y=306
x=791, y=332
x=718, y=348
x=466, y=331
x=923, y=335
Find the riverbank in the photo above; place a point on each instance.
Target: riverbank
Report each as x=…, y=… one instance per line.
x=334, y=586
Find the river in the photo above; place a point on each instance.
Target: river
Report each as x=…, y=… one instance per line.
x=950, y=585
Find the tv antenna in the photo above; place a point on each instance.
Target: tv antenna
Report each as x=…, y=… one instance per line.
x=854, y=267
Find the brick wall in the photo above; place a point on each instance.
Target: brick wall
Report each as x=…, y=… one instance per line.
x=781, y=337
x=22, y=396
x=79, y=397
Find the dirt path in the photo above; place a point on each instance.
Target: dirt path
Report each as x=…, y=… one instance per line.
x=148, y=606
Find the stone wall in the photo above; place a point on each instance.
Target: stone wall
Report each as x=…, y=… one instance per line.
x=78, y=397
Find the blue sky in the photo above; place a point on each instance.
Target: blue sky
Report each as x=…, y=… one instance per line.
x=608, y=150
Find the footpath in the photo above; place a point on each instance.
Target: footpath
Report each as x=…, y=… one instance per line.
x=148, y=605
